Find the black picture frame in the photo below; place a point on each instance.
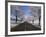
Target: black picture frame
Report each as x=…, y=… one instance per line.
x=6, y=17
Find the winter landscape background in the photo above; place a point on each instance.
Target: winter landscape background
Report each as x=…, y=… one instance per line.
x=25, y=18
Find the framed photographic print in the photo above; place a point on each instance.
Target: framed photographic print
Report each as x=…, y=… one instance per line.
x=25, y=18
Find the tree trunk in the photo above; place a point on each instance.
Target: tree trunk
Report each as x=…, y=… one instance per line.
x=16, y=16
x=39, y=20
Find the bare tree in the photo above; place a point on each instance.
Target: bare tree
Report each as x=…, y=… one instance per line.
x=19, y=13
x=39, y=12
x=35, y=10
x=16, y=15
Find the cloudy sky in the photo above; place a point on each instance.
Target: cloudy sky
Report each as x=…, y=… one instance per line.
x=25, y=9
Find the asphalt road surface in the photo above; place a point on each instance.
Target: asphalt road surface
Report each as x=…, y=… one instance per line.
x=24, y=27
